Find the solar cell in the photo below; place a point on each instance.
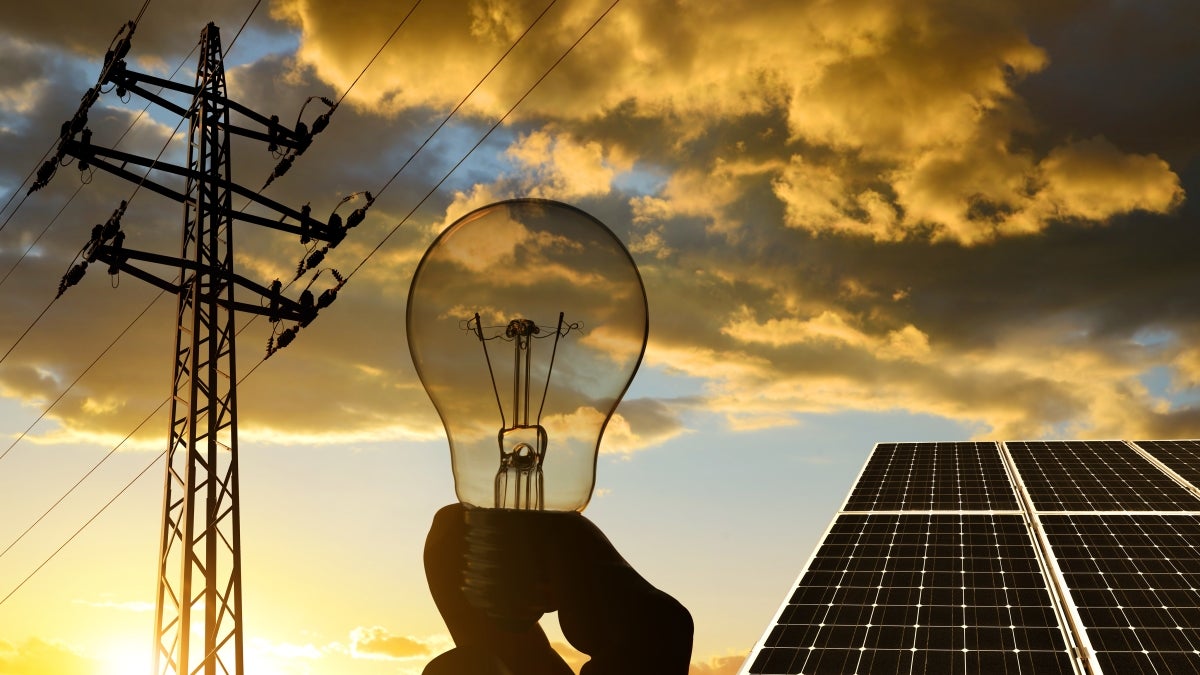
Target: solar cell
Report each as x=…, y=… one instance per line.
x=933, y=476
x=1182, y=457
x=1095, y=476
x=901, y=593
x=1135, y=580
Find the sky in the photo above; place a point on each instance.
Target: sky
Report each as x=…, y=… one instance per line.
x=857, y=221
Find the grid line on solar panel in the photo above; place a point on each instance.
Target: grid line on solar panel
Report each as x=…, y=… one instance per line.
x=1135, y=581
x=933, y=476
x=938, y=593
x=1095, y=476
x=1182, y=457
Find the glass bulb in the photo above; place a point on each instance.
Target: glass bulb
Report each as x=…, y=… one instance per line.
x=527, y=320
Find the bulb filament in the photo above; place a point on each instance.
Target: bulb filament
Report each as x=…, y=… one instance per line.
x=523, y=441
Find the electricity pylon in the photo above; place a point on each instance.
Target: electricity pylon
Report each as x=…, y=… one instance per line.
x=198, y=612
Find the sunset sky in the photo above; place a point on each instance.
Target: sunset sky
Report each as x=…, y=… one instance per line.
x=857, y=221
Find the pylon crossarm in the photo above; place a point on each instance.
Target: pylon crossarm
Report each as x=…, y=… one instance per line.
x=131, y=81
x=98, y=156
x=122, y=78
x=285, y=308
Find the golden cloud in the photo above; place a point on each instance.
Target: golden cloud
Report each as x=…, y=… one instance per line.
x=794, y=162
x=378, y=642
x=39, y=657
x=1093, y=180
x=563, y=168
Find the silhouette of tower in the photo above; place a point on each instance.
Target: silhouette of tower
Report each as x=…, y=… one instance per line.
x=198, y=610
x=199, y=567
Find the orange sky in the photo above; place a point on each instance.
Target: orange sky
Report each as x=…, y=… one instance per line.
x=857, y=221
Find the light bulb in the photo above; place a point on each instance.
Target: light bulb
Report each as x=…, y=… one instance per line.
x=527, y=320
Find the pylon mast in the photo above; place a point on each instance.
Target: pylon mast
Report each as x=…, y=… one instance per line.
x=199, y=567
x=198, y=610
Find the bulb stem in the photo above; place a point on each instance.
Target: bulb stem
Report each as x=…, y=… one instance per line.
x=491, y=372
x=550, y=369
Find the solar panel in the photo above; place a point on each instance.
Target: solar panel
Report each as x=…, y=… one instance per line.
x=1027, y=557
x=1095, y=476
x=907, y=593
x=1182, y=457
x=933, y=476
x=1136, y=584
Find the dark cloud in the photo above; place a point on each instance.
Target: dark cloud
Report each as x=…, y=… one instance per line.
x=959, y=210
x=1122, y=70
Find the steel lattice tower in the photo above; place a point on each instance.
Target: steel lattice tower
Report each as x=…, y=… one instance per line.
x=198, y=609
x=199, y=568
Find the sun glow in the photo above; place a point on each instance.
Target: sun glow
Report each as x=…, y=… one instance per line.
x=127, y=656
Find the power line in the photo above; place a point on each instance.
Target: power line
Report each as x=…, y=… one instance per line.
x=378, y=246
x=483, y=138
x=45, y=156
x=80, y=377
x=85, y=477
x=22, y=435
x=106, y=504
x=378, y=52
x=82, y=527
x=133, y=26
x=138, y=187
x=78, y=189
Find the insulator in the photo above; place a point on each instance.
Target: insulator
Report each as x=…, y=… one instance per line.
x=320, y=123
x=85, y=150
x=273, y=315
x=44, y=173
x=273, y=134
x=72, y=277
x=305, y=224
x=280, y=169
x=326, y=298
x=283, y=166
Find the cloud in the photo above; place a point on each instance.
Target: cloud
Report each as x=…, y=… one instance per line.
x=376, y=642
x=35, y=656
x=717, y=665
x=834, y=205
x=1093, y=180
x=125, y=606
x=561, y=167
